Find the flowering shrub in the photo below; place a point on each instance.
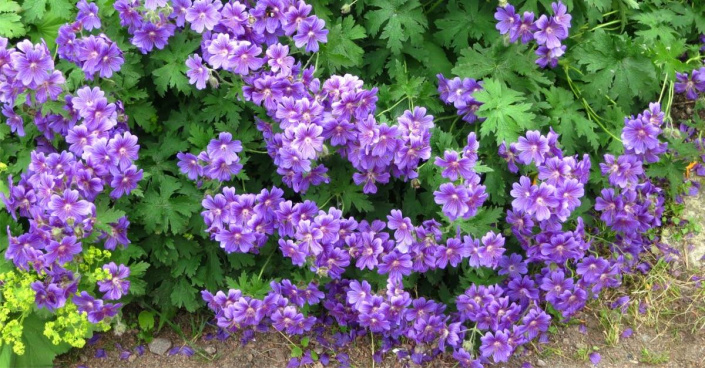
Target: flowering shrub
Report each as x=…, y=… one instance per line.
x=323, y=138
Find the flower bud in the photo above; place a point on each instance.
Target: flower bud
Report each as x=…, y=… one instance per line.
x=213, y=82
x=345, y=9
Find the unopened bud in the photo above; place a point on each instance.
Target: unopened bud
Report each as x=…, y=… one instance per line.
x=415, y=183
x=322, y=271
x=213, y=81
x=345, y=9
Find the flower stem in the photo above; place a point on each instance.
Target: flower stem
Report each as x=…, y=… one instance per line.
x=372, y=347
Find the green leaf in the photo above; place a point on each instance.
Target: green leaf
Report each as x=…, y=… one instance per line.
x=171, y=72
x=296, y=352
x=465, y=20
x=143, y=114
x=146, y=320
x=222, y=105
x=137, y=283
x=10, y=21
x=353, y=197
x=304, y=341
x=480, y=224
x=507, y=115
x=341, y=51
x=34, y=9
x=568, y=119
x=251, y=286
x=47, y=29
x=200, y=135
x=164, y=210
x=617, y=68
x=62, y=8
x=185, y=296
x=514, y=65
x=403, y=20
x=39, y=350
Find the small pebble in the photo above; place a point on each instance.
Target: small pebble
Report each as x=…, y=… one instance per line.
x=210, y=350
x=540, y=363
x=250, y=357
x=159, y=346
x=132, y=358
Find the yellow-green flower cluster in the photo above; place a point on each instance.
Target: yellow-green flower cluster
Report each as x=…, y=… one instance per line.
x=92, y=256
x=17, y=302
x=71, y=326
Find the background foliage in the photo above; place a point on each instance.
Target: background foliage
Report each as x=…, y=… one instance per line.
x=621, y=55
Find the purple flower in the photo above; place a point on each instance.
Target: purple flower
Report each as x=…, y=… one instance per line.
x=13, y=120
x=359, y=293
x=244, y=58
x=69, y=206
x=523, y=192
x=124, y=181
x=524, y=30
x=595, y=358
x=532, y=147
x=88, y=15
x=549, y=33
x=454, y=167
x=188, y=164
x=403, y=234
x=235, y=239
x=454, y=200
x=507, y=19
x=50, y=297
x=491, y=251
x=62, y=251
x=310, y=32
x=197, y=72
x=224, y=148
x=203, y=14
x=308, y=140
x=640, y=135
x=396, y=265
x=543, y=201
x=248, y=312
x=561, y=16
x=116, y=286
x=279, y=58
x=496, y=346
x=151, y=35
x=124, y=147
x=32, y=63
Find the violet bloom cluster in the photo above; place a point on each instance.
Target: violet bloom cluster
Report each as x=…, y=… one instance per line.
x=463, y=195
x=459, y=92
x=280, y=308
x=94, y=54
x=57, y=191
x=55, y=195
x=151, y=22
x=310, y=116
x=691, y=84
x=27, y=71
x=633, y=204
x=547, y=31
x=218, y=162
